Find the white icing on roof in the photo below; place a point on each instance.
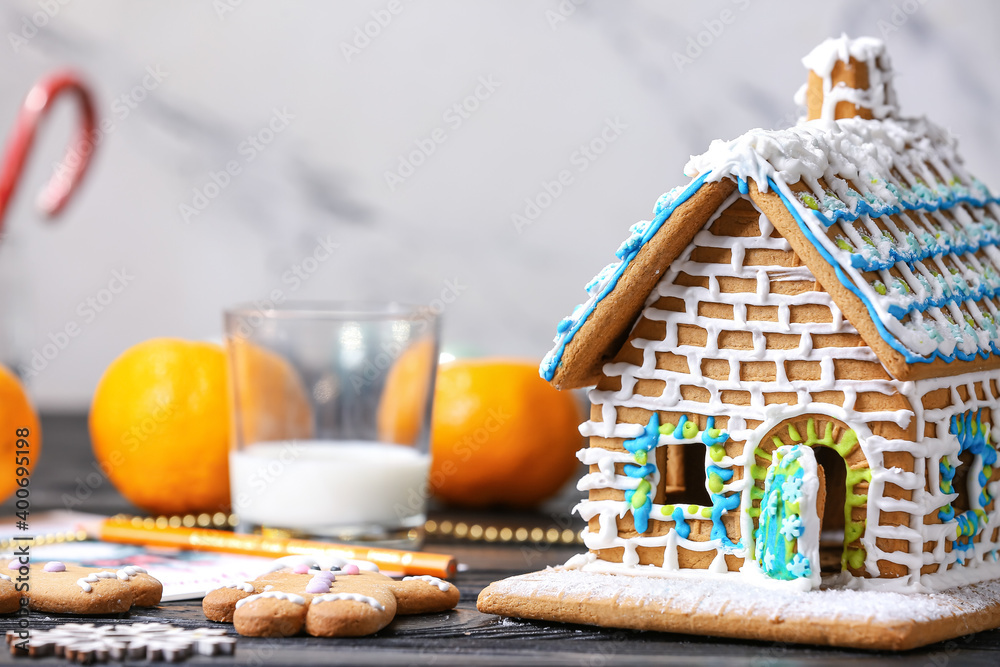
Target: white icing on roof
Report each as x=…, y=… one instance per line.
x=929, y=273
x=889, y=205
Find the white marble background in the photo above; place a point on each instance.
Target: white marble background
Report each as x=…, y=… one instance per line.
x=559, y=70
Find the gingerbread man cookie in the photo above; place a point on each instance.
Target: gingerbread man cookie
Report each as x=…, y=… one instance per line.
x=342, y=599
x=58, y=588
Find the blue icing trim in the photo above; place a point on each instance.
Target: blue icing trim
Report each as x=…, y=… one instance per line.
x=640, y=515
x=639, y=471
x=859, y=260
x=680, y=525
x=649, y=438
x=639, y=448
x=972, y=436
x=919, y=197
x=725, y=474
x=707, y=436
x=547, y=369
x=891, y=340
x=720, y=505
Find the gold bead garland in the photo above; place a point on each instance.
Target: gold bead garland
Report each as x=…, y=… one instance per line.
x=457, y=530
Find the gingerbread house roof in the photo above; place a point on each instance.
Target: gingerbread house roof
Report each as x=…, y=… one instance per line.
x=878, y=207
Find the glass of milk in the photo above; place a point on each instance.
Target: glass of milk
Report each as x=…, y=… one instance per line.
x=331, y=406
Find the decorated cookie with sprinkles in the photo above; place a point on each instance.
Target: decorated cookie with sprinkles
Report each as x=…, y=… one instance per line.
x=335, y=598
x=58, y=588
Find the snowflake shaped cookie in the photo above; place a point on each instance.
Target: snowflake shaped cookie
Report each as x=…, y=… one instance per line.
x=86, y=643
x=336, y=599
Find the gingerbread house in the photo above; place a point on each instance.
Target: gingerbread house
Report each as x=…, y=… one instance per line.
x=795, y=362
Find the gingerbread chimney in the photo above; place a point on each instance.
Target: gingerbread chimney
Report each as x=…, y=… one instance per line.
x=848, y=78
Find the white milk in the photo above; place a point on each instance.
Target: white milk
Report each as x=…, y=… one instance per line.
x=321, y=485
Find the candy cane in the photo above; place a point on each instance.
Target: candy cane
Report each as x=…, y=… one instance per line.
x=54, y=196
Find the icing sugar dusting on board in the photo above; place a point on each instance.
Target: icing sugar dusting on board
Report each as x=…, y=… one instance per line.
x=710, y=597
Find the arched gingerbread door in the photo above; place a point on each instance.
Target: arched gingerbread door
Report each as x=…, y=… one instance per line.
x=840, y=491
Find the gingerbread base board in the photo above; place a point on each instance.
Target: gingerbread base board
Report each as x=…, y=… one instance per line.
x=734, y=609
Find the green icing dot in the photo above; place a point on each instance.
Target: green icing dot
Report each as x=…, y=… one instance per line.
x=640, y=457
x=879, y=287
x=690, y=430
x=714, y=483
x=667, y=429
x=667, y=510
x=716, y=452
x=693, y=509
x=706, y=512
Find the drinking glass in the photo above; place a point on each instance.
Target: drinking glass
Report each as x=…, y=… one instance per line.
x=331, y=406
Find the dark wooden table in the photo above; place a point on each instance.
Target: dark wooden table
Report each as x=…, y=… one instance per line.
x=463, y=636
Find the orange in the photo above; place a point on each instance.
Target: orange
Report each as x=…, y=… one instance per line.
x=160, y=422
x=272, y=400
x=159, y=426
x=501, y=436
x=16, y=414
x=400, y=415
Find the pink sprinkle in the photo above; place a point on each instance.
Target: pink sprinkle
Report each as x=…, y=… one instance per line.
x=54, y=566
x=14, y=565
x=326, y=574
x=301, y=569
x=351, y=569
x=318, y=585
